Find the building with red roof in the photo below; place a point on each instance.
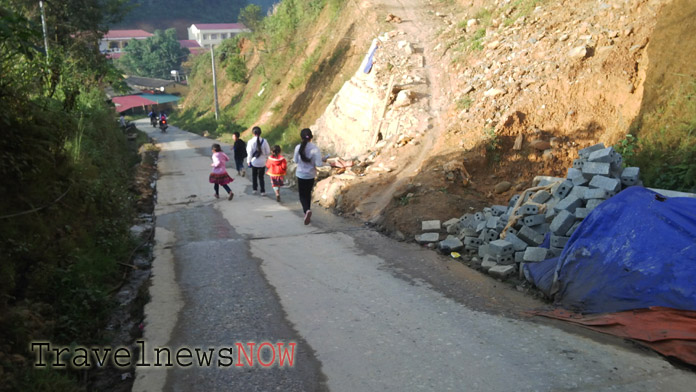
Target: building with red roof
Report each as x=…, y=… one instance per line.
x=128, y=102
x=211, y=34
x=113, y=42
x=192, y=46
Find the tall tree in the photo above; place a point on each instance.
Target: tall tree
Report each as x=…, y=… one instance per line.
x=251, y=16
x=155, y=56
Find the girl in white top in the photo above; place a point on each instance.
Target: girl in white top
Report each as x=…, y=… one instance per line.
x=308, y=157
x=258, y=151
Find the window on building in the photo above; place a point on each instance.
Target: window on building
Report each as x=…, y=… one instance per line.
x=206, y=36
x=223, y=35
x=213, y=36
x=113, y=46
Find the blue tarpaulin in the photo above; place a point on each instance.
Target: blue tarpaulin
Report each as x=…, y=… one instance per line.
x=370, y=57
x=634, y=251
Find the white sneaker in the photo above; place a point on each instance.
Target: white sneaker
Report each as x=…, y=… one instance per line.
x=255, y=192
x=263, y=193
x=307, y=217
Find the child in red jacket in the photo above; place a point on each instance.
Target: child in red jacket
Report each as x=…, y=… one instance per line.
x=277, y=168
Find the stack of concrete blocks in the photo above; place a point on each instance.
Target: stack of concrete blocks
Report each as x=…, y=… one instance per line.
x=595, y=176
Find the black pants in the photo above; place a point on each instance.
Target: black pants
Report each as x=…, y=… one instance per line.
x=257, y=177
x=305, y=188
x=217, y=188
x=239, y=162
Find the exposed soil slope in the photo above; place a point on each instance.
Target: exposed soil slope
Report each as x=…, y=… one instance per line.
x=469, y=79
x=561, y=76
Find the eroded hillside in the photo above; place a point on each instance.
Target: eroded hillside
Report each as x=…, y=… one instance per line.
x=463, y=96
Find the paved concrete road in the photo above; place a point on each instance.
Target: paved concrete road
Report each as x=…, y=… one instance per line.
x=366, y=313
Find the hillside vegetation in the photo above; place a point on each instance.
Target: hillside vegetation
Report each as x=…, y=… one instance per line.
x=66, y=170
x=489, y=72
x=279, y=77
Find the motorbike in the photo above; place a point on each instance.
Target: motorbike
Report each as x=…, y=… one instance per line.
x=130, y=127
x=163, y=125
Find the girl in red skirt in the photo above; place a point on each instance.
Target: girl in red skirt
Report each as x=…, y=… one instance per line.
x=219, y=175
x=277, y=168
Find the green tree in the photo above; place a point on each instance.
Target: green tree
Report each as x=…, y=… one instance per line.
x=236, y=69
x=251, y=16
x=230, y=56
x=65, y=169
x=155, y=56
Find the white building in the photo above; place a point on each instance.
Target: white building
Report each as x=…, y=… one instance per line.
x=207, y=34
x=115, y=41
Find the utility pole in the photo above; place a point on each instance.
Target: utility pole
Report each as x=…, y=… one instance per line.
x=43, y=24
x=217, y=107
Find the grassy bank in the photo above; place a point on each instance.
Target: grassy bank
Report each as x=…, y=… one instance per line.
x=275, y=82
x=66, y=204
x=663, y=141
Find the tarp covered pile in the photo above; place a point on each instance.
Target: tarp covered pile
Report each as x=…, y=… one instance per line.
x=634, y=260
x=635, y=250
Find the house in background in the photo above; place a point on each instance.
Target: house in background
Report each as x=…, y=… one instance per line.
x=193, y=46
x=211, y=34
x=113, y=42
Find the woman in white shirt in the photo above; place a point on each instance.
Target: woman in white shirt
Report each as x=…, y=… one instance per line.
x=308, y=157
x=258, y=151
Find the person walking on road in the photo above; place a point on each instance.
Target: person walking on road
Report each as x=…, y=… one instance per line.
x=277, y=168
x=308, y=157
x=240, y=153
x=258, y=152
x=219, y=174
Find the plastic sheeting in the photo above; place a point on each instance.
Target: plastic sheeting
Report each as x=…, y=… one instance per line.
x=668, y=331
x=370, y=56
x=635, y=250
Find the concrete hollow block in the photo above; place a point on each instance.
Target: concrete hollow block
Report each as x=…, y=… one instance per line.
x=534, y=220
x=569, y=204
x=535, y=254
x=562, y=222
x=559, y=241
x=563, y=189
x=500, y=247
x=596, y=168
x=606, y=183
x=585, y=152
x=502, y=271
x=605, y=155
x=529, y=209
x=541, y=196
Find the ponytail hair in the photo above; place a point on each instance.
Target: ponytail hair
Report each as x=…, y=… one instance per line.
x=306, y=136
x=216, y=147
x=276, y=151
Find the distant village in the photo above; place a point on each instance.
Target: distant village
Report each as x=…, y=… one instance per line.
x=160, y=94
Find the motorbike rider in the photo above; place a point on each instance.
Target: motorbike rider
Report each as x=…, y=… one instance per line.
x=153, y=117
x=163, y=122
